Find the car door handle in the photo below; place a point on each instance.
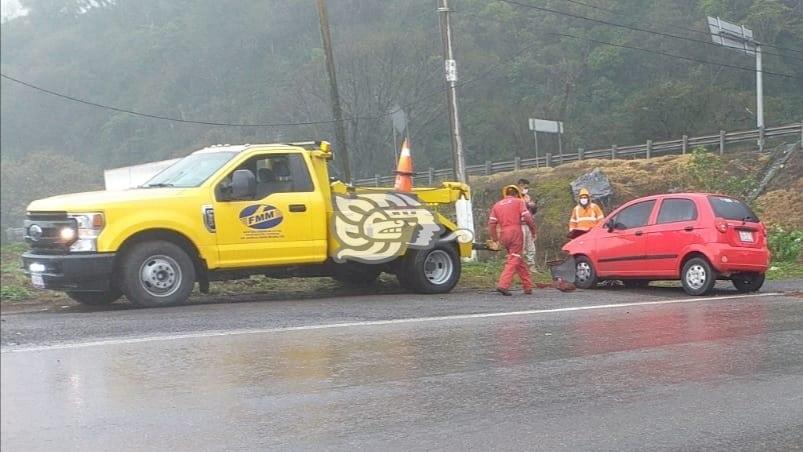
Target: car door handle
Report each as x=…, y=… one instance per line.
x=298, y=208
x=639, y=232
x=688, y=228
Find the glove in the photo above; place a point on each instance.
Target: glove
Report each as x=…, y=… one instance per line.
x=492, y=245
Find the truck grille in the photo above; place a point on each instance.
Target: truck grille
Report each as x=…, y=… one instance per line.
x=43, y=231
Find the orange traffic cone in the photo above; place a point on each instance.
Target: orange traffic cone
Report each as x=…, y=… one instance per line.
x=404, y=171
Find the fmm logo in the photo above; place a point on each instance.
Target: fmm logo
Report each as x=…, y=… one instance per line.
x=258, y=216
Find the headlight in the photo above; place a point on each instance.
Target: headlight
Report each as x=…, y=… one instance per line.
x=89, y=227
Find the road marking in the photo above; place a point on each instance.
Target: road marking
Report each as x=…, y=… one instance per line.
x=326, y=326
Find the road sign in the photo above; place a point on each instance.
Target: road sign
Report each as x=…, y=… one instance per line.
x=731, y=35
x=544, y=125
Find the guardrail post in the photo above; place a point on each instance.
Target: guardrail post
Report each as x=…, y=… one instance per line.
x=721, y=142
x=649, y=148
x=517, y=163
x=548, y=159
x=488, y=167
x=580, y=153
x=431, y=175
x=376, y=180
x=613, y=152
x=684, y=147
x=761, y=139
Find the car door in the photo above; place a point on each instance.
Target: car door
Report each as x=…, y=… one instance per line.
x=674, y=230
x=620, y=252
x=284, y=223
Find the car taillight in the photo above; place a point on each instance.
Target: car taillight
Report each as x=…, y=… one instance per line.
x=722, y=226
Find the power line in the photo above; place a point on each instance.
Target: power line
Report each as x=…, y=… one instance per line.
x=210, y=123
x=613, y=24
x=657, y=52
x=692, y=30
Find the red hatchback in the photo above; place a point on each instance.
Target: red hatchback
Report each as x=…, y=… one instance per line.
x=694, y=237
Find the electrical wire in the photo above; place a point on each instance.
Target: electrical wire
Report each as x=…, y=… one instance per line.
x=613, y=24
x=692, y=30
x=657, y=52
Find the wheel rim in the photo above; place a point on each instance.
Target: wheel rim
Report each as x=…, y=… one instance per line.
x=438, y=267
x=583, y=272
x=160, y=276
x=696, y=276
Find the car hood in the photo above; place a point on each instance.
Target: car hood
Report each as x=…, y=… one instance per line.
x=100, y=200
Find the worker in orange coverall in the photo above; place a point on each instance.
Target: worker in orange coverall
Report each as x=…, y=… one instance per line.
x=507, y=216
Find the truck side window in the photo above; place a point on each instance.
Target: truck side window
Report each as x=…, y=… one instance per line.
x=634, y=216
x=673, y=210
x=278, y=173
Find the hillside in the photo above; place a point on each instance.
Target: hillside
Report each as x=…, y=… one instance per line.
x=260, y=62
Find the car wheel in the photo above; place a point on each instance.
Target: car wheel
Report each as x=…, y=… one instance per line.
x=96, y=298
x=157, y=273
x=636, y=283
x=698, y=277
x=748, y=282
x=355, y=274
x=431, y=271
x=585, y=275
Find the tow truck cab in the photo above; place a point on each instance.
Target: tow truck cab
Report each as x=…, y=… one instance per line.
x=228, y=212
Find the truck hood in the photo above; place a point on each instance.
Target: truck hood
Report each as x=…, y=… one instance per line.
x=100, y=200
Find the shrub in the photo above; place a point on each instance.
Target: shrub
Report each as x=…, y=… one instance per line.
x=785, y=245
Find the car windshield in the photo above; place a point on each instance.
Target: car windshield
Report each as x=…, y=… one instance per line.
x=191, y=171
x=731, y=209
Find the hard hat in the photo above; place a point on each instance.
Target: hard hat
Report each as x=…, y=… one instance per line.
x=511, y=187
x=584, y=192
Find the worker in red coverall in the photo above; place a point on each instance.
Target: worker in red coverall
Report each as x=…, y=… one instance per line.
x=508, y=215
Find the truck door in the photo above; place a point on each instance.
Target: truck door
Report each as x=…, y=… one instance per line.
x=675, y=229
x=285, y=222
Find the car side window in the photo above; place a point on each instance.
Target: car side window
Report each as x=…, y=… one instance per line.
x=673, y=210
x=634, y=216
x=277, y=173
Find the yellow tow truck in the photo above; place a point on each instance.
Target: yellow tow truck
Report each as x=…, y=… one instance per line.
x=229, y=212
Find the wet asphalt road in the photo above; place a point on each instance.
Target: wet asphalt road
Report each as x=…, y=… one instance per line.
x=595, y=370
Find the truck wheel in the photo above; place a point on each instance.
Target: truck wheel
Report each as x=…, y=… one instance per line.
x=585, y=274
x=355, y=274
x=430, y=271
x=697, y=277
x=748, y=282
x=157, y=273
x=96, y=298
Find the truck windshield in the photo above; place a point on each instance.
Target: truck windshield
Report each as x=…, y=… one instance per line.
x=191, y=171
x=731, y=209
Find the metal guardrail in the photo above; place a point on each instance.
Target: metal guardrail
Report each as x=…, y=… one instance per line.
x=647, y=150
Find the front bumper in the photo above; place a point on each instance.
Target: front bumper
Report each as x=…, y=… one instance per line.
x=74, y=272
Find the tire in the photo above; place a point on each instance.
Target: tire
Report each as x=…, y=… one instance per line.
x=157, y=273
x=585, y=274
x=636, y=283
x=748, y=282
x=697, y=276
x=96, y=298
x=432, y=271
x=355, y=274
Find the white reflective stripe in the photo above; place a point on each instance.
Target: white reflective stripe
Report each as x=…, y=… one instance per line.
x=587, y=219
x=516, y=255
x=493, y=218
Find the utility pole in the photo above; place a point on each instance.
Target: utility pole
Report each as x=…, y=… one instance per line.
x=337, y=112
x=451, y=93
x=465, y=215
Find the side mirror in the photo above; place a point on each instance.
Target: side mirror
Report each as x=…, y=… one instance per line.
x=609, y=225
x=243, y=185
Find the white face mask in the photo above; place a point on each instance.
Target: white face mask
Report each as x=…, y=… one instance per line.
x=524, y=191
x=583, y=201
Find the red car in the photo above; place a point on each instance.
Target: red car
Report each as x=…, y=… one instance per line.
x=694, y=237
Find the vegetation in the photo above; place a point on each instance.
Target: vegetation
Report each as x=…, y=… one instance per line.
x=259, y=61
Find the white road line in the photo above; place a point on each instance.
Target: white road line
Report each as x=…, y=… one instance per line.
x=218, y=333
